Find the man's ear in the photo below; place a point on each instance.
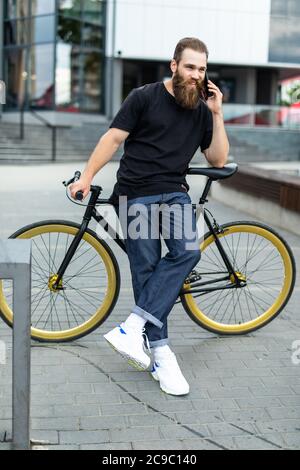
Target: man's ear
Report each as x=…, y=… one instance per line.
x=173, y=65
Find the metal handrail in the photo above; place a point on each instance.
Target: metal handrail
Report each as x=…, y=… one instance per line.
x=40, y=118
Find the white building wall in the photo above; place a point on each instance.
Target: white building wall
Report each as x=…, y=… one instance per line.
x=235, y=31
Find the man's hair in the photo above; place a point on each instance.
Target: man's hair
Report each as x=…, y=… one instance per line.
x=191, y=43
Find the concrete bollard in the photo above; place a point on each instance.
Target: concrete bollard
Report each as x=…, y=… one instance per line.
x=15, y=264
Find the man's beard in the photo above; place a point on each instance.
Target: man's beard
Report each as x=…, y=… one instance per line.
x=186, y=95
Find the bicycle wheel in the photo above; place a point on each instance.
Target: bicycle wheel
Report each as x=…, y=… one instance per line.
x=87, y=293
x=262, y=259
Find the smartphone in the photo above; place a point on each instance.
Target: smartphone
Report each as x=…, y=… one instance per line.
x=207, y=93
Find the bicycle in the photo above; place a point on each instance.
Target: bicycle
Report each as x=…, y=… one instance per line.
x=244, y=279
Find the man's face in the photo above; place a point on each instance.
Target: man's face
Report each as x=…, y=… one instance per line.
x=188, y=78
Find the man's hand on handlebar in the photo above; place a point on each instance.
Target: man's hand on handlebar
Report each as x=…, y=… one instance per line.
x=81, y=186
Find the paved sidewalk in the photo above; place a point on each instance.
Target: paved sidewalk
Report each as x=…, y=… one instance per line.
x=245, y=391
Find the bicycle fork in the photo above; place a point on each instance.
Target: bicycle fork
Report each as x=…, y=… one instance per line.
x=214, y=230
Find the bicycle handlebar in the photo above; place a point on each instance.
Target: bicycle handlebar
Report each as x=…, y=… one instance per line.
x=76, y=177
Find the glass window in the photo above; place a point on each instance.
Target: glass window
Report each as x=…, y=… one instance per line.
x=42, y=7
x=294, y=8
x=277, y=46
x=15, y=8
x=41, y=87
x=92, y=76
x=284, y=40
x=293, y=40
x=70, y=8
x=14, y=76
x=16, y=32
x=67, y=77
x=93, y=11
x=279, y=7
x=42, y=29
x=68, y=30
x=92, y=36
x=285, y=7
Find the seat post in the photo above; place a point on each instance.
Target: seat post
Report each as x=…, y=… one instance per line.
x=203, y=197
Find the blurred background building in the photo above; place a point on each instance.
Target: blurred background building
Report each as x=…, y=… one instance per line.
x=74, y=61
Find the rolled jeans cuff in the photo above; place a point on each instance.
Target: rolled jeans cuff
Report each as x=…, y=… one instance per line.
x=147, y=316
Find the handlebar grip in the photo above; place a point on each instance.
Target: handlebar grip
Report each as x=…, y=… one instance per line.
x=79, y=196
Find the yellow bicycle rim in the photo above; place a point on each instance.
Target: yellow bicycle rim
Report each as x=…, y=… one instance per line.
x=81, y=329
x=196, y=311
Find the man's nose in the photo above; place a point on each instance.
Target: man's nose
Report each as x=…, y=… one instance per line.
x=196, y=76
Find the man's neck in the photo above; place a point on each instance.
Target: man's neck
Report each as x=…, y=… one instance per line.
x=169, y=86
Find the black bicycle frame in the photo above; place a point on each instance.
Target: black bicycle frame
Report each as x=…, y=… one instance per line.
x=91, y=212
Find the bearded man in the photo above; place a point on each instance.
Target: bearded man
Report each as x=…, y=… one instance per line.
x=162, y=124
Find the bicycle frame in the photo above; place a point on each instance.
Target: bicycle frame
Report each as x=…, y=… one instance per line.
x=214, y=229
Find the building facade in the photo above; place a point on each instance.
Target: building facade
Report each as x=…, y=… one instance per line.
x=84, y=56
x=53, y=54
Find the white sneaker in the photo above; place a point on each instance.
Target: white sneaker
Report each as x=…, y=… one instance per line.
x=130, y=344
x=167, y=371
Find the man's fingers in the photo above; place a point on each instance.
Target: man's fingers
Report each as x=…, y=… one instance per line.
x=79, y=186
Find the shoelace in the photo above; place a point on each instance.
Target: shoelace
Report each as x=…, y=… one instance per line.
x=146, y=339
x=169, y=359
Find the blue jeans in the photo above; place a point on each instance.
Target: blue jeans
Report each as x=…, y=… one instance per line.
x=157, y=281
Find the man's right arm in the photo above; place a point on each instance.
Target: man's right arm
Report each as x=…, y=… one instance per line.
x=104, y=150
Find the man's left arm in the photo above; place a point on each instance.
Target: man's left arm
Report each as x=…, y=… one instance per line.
x=217, y=153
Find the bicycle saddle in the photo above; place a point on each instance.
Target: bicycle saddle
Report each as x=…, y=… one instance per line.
x=215, y=173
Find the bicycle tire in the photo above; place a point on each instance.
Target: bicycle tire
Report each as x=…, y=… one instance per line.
x=68, y=325
x=208, y=316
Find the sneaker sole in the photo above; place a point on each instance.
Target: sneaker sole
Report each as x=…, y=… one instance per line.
x=154, y=376
x=130, y=360
x=165, y=390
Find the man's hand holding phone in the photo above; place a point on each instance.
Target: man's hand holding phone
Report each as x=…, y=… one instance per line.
x=213, y=96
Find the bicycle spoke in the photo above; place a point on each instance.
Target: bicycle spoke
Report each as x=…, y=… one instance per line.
x=71, y=308
x=54, y=256
x=86, y=296
x=51, y=261
x=75, y=307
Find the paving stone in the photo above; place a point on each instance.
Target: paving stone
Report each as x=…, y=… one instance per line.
x=213, y=443
x=63, y=447
x=184, y=431
x=83, y=437
x=230, y=429
x=140, y=433
x=130, y=409
x=277, y=391
x=292, y=439
x=245, y=403
x=110, y=446
x=59, y=424
x=272, y=442
x=158, y=445
x=285, y=412
x=244, y=390
x=278, y=425
x=94, y=423
x=214, y=404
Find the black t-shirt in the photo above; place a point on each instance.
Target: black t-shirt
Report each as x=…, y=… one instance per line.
x=163, y=138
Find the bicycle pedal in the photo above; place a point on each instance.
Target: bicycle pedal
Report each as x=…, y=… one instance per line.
x=193, y=277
